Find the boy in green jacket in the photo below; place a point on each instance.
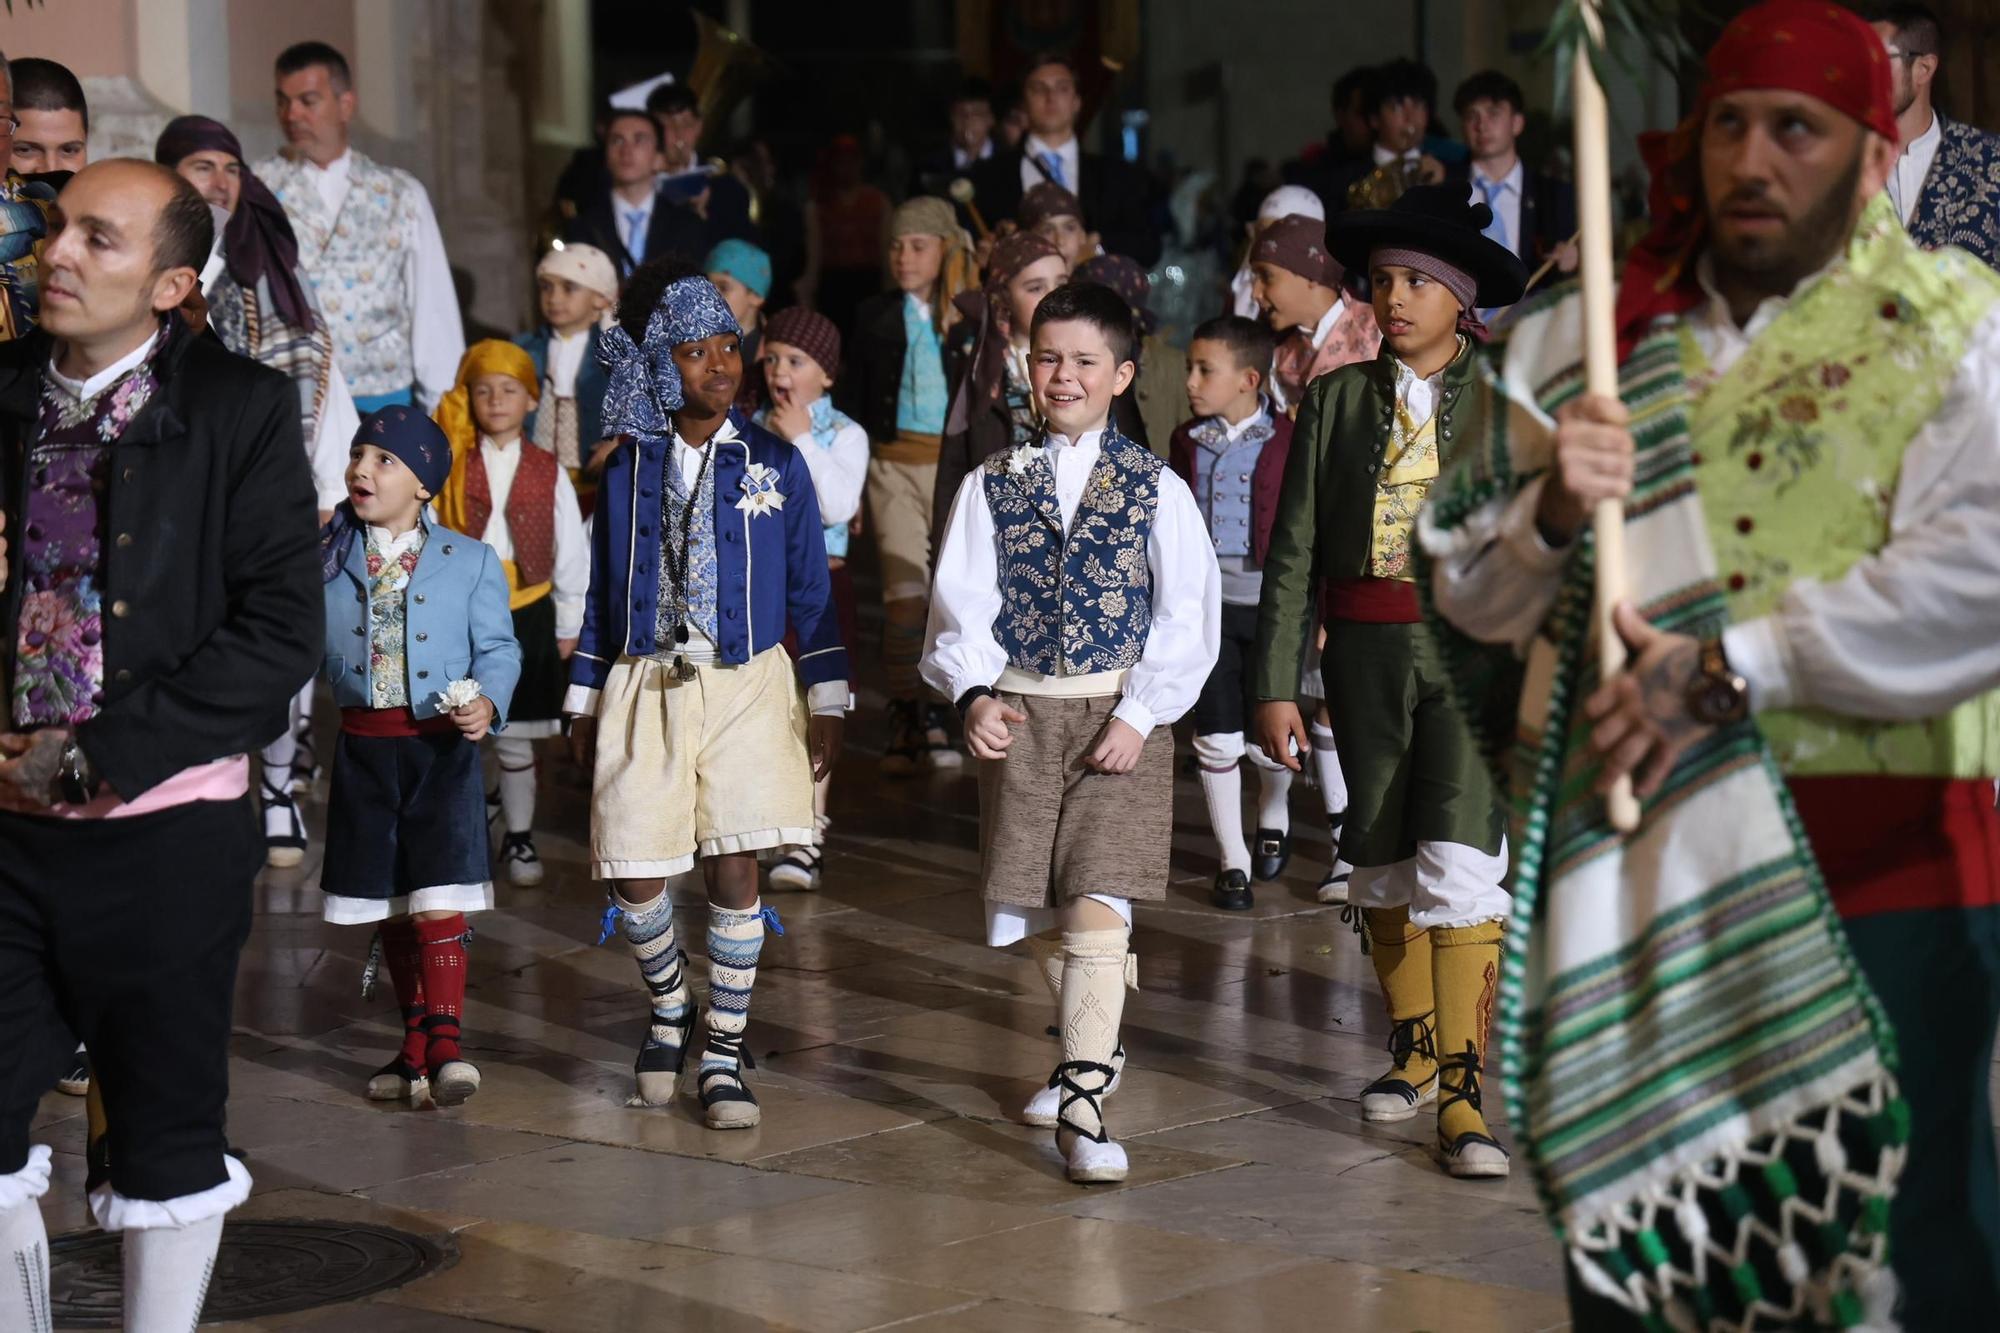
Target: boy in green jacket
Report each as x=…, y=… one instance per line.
x=1424, y=829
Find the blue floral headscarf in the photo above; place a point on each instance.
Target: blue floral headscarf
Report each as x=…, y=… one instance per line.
x=645, y=385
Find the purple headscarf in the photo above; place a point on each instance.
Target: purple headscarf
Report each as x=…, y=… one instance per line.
x=258, y=242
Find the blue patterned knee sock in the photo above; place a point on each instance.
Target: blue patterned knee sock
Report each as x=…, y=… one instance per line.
x=649, y=929
x=735, y=942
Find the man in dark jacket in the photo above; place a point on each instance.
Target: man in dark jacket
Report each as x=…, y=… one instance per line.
x=635, y=219
x=1116, y=196
x=1534, y=214
x=161, y=605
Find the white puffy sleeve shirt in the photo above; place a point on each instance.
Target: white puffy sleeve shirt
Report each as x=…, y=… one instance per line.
x=1907, y=633
x=1186, y=634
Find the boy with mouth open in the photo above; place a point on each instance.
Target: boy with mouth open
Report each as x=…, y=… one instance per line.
x=1424, y=827
x=1075, y=615
x=421, y=655
x=706, y=545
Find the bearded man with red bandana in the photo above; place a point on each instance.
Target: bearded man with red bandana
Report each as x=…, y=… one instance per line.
x=1748, y=1044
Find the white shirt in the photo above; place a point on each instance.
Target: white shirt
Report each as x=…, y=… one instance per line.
x=1506, y=202
x=1186, y=634
x=1913, y=167
x=565, y=358
x=1905, y=634
x=960, y=159
x=839, y=473
x=1233, y=430
x=389, y=548
x=1417, y=395
x=103, y=379
x=437, y=337
x=571, y=574
x=1324, y=329
x=339, y=423
x=1383, y=156
x=1032, y=149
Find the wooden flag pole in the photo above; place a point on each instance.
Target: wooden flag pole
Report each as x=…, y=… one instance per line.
x=1600, y=356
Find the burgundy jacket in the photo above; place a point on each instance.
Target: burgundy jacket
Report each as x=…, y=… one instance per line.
x=1264, y=484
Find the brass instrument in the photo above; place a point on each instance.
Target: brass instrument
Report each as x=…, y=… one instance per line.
x=1385, y=185
x=726, y=70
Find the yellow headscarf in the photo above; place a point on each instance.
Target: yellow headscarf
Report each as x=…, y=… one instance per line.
x=489, y=356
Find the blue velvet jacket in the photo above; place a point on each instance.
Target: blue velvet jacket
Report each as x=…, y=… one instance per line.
x=456, y=624
x=1960, y=204
x=771, y=571
x=590, y=384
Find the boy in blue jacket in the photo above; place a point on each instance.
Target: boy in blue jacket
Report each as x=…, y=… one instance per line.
x=706, y=545
x=421, y=655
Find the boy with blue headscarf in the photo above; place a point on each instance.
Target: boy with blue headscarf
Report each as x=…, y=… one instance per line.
x=706, y=546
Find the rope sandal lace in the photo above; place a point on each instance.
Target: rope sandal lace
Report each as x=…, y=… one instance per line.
x=1043, y=1110
x=1397, y=1098
x=1091, y=1156
x=655, y=1056
x=726, y=1099
x=1470, y=1153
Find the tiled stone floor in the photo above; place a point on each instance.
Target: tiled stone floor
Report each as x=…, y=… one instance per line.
x=888, y=1186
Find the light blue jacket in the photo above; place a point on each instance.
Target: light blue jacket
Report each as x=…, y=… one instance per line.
x=457, y=622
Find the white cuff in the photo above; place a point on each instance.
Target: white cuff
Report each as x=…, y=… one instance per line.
x=1758, y=652
x=31, y=1182
x=579, y=701
x=1524, y=538
x=569, y=617
x=1135, y=715
x=115, y=1212
x=828, y=698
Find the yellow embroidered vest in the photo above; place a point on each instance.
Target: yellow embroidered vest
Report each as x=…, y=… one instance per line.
x=1409, y=466
x=1800, y=446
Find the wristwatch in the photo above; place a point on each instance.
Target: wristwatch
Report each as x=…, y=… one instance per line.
x=973, y=696
x=1717, y=696
x=76, y=780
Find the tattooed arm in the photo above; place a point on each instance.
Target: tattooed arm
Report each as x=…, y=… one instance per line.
x=1642, y=720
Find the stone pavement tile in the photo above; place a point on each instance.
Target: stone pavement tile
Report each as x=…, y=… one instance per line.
x=340, y=1149
x=1355, y=1298
x=603, y=1191
x=375, y=1315
x=976, y=1159
x=321, y=1206
x=534, y=1277
x=1085, y=1264
x=1310, y=1213
x=1016, y=1317
x=855, y=1227
x=790, y=1297
x=1536, y=1266
x=1304, y=1137
x=796, y=1116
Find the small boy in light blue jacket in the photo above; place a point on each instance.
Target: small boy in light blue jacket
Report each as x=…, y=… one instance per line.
x=422, y=659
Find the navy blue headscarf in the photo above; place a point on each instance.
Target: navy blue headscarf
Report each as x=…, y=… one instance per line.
x=417, y=442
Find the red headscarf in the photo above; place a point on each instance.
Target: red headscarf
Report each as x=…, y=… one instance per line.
x=1804, y=46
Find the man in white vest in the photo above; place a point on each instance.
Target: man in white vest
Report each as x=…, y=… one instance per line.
x=367, y=239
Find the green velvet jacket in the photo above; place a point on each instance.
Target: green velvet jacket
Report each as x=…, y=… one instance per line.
x=1327, y=506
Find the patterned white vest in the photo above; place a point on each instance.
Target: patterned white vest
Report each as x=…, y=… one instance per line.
x=359, y=263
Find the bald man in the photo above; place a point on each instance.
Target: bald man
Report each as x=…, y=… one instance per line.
x=161, y=606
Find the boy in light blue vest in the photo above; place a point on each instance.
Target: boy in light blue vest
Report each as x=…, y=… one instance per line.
x=1076, y=612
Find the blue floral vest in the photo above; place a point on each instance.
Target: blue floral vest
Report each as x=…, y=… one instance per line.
x=1080, y=601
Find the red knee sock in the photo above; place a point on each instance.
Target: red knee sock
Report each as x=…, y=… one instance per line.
x=400, y=956
x=441, y=947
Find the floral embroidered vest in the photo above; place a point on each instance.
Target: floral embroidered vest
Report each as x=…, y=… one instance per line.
x=1800, y=446
x=359, y=264
x=388, y=620
x=1080, y=600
